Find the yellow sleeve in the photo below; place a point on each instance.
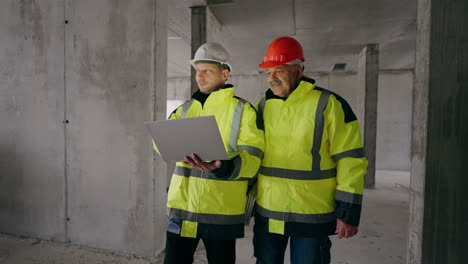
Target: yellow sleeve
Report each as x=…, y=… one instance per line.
x=347, y=150
x=250, y=143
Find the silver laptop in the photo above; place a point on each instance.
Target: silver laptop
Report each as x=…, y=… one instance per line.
x=178, y=138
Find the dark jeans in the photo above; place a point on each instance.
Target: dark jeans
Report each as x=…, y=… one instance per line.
x=180, y=250
x=269, y=248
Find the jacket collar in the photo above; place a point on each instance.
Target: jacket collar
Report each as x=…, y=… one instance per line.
x=303, y=86
x=227, y=90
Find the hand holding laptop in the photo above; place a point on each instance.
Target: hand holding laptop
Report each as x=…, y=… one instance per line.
x=194, y=161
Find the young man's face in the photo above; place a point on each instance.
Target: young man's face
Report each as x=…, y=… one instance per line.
x=282, y=79
x=210, y=77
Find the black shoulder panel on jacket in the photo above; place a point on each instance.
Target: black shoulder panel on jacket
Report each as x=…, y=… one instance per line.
x=349, y=114
x=310, y=80
x=173, y=112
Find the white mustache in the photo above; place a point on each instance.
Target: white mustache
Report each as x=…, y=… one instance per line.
x=275, y=83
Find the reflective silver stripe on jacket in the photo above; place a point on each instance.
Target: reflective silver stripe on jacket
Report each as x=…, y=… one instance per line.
x=297, y=174
x=318, y=130
x=235, y=127
x=353, y=153
x=185, y=108
x=348, y=197
x=295, y=217
x=251, y=150
x=205, y=218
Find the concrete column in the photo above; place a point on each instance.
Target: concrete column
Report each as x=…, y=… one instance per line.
x=205, y=28
x=368, y=74
x=159, y=83
x=198, y=37
x=438, y=212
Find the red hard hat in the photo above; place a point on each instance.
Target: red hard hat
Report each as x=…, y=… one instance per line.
x=282, y=50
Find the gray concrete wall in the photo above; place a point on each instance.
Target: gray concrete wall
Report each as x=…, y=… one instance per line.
x=346, y=85
x=178, y=88
x=394, y=120
x=214, y=29
x=32, y=194
x=93, y=180
x=250, y=87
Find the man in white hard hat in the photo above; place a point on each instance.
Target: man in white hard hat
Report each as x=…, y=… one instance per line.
x=206, y=200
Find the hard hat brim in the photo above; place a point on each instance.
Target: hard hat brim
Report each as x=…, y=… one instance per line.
x=270, y=64
x=194, y=62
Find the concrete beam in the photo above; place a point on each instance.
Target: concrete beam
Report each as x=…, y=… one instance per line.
x=368, y=74
x=438, y=214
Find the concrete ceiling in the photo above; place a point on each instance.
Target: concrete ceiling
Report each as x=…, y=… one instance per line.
x=331, y=31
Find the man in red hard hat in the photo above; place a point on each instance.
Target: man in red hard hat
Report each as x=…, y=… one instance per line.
x=311, y=180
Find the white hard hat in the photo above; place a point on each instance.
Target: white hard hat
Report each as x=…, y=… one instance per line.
x=212, y=52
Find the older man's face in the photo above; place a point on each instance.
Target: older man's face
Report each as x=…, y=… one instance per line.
x=282, y=79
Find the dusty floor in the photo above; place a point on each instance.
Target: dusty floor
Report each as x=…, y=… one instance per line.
x=382, y=237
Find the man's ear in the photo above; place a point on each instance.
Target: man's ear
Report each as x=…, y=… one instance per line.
x=300, y=70
x=225, y=74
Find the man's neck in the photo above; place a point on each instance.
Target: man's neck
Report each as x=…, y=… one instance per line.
x=214, y=90
x=201, y=96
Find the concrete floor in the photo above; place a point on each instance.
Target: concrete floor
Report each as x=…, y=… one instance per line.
x=382, y=237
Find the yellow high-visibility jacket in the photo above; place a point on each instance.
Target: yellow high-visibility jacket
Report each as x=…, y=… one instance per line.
x=209, y=205
x=313, y=166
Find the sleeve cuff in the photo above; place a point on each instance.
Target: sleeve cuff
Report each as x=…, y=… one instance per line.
x=348, y=212
x=226, y=169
